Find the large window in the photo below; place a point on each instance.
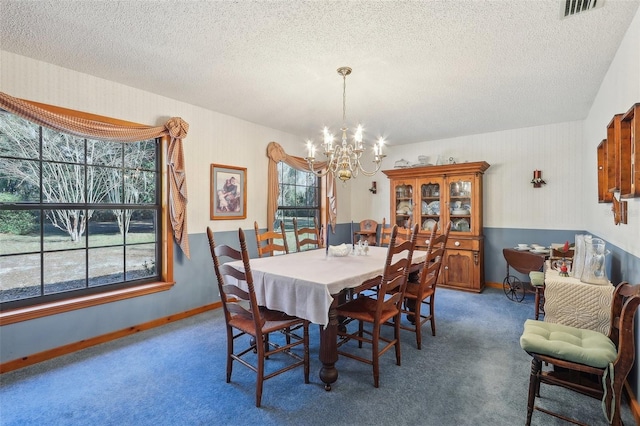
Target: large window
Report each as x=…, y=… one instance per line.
x=77, y=216
x=300, y=195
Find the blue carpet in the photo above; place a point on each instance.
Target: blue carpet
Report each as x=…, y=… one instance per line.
x=472, y=373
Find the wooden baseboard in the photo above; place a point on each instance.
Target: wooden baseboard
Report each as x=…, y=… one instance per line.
x=493, y=285
x=83, y=344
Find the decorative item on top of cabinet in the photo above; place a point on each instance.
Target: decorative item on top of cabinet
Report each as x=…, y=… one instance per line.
x=442, y=194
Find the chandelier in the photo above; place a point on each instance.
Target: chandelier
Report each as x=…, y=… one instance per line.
x=343, y=160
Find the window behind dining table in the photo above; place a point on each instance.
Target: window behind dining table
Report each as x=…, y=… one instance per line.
x=77, y=216
x=300, y=197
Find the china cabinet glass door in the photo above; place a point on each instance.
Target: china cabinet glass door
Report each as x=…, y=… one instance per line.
x=429, y=204
x=404, y=204
x=460, y=205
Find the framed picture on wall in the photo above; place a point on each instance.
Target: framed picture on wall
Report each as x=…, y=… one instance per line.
x=228, y=192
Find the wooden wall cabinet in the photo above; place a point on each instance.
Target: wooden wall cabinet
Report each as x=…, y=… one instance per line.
x=618, y=157
x=613, y=153
x=604, y=196
x=442, y=194
x=630, y=153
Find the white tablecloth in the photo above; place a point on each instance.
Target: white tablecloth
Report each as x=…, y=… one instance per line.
x=302, y=283
x=571, y=302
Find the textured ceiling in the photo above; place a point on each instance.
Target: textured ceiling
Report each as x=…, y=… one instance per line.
x=422, y=70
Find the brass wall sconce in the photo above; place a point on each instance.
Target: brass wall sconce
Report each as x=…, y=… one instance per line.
x=537, y=180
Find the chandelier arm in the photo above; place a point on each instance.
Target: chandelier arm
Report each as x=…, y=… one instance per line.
x=368, y=173
x=319, y=173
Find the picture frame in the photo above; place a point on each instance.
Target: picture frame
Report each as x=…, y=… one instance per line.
x=228, y=192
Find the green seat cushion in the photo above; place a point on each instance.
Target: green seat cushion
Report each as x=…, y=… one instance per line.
x=537, y=278
x=568, y=343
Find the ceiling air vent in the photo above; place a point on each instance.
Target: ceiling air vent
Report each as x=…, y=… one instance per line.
x=573, y=7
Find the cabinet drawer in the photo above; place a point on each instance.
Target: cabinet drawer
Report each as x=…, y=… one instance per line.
x=462, y=244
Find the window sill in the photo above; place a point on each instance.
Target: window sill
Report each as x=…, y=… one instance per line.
x=24, y=314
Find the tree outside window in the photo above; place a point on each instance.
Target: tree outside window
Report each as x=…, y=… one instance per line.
x=299, y=197
x=75, y=214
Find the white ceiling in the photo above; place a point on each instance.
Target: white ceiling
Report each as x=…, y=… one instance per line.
x=422, y=70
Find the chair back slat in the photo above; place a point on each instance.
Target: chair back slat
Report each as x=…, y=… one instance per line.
x=271, y=243
x=230, y=294
x=385, y=233
x=307, y=237
x=394, y=278
x=435, y=257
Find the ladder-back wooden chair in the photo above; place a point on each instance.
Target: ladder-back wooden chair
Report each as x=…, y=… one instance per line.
x=379, y=310
x=307, y=237
x=271, y=243
x=243, y=317
x=423, y=290
x=584, y=361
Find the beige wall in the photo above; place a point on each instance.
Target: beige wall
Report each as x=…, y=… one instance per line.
x=618, y=92
x=509, y=198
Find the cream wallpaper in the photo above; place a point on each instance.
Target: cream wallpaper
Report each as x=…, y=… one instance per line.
x=510, y=201
x=212, y=138
x=618, y=92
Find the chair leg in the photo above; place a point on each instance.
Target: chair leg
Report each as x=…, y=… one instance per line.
x=537, y=303
x=375, y=354
x=432, y=311
x=260, y=378
x=360, y=333
x=534, y=387
x=266, y=343
x=418, y=324
x=229, y=352
x=396, y=335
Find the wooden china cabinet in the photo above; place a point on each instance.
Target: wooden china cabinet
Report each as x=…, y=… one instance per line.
x=441, y=194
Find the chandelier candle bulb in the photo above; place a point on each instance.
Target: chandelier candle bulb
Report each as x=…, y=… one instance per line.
x=311, y=150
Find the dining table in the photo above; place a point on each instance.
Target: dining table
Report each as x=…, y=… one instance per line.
x=309, y=285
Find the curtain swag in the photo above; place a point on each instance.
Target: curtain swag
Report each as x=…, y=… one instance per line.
x=175, y=128
x=276, y=153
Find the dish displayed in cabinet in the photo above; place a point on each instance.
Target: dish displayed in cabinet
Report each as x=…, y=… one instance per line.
x=428, y=224
x=460, y=212
x=461, y=225
x=432, y=208
x=403, y=207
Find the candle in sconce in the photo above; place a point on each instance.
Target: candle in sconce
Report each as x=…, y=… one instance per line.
x=537, y=174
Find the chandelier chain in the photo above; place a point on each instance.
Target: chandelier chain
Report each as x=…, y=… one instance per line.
x=344, y=100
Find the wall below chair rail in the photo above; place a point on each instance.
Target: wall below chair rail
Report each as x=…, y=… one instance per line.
x=496, y=239
x=620, y=266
